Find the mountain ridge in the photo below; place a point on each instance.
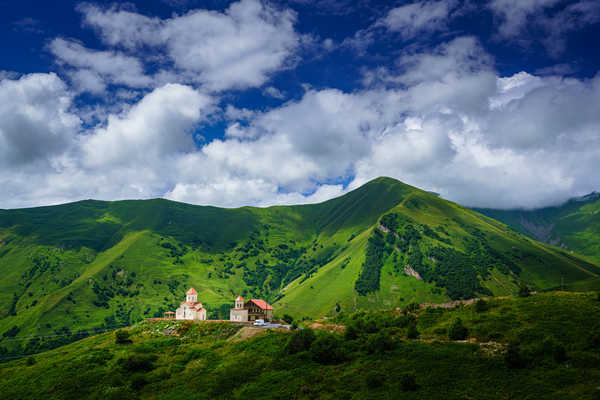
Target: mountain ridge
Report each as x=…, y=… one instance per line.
x=90, y=264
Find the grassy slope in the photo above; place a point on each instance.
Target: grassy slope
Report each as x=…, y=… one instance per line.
x=199, y=362
x=574, y=225
x=92, y=265
x=543, y=265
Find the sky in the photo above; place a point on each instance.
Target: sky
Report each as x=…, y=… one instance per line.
x=488, y=103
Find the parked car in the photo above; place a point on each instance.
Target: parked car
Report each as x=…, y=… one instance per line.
x=260, y=322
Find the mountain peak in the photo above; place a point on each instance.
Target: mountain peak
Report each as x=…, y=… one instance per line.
x=588, y=197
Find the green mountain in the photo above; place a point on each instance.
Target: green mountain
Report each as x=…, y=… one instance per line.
x=75, y=269
x=574, y=225
x=510, y=353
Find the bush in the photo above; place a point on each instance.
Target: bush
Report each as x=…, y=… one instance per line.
x=481, y=306
x=524, y=291
x=457, y=331
x=380, y=343
x=122, y=337
x=288, y=318
x=138, y=381
x=30, y=361
x=300, y=340
x=374, y=380
x=327, y=349
x=412, y=307
x=408, y=382
x=412, y=332
x=513, y=356
x=351, y=332
x=138, y=362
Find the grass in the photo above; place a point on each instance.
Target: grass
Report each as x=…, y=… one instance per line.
x=177, y=360
x=91, y=265
x=574, y=225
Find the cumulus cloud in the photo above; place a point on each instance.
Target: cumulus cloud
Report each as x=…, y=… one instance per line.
x=157, y=126
x=237, y=48
x=36, y=122
x=91, y=69
x=441, y=119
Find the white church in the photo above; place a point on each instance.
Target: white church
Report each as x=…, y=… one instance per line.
x=191, y=309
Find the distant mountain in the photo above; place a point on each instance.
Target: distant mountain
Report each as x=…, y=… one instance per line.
x=574, y=225
x=70, y=270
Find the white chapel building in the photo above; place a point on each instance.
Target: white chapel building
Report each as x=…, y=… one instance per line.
x=191, y=309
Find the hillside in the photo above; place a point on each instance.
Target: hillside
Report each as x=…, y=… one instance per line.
x=75, y=269
x=541, y=347
x=574, y=225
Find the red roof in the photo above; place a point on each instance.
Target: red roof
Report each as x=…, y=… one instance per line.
x=169, y=312
x=263, y=305
x=192, y=291
x=239, y=298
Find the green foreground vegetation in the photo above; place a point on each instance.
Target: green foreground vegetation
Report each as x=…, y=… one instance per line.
x=545, y=346
x=74, y=270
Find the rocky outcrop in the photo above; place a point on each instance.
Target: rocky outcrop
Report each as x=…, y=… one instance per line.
x=408, y=270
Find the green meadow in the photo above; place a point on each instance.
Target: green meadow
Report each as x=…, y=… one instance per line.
x=73, y=270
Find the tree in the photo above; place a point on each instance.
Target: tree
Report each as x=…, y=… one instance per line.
x=457, y=331
x=300, y=340
x=380, y=343
x=524, y=291
x=513, y=357
x=327, y=349
x=122, y=337
x=288, y=318
x=481, y=306
x=412, y=332
x=408, y=382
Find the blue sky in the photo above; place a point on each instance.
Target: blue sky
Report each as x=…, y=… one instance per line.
x=491, y=104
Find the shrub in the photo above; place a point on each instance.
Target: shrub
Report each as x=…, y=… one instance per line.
x=524, y=291
x=30, y=361
x=138, y=381
x=351, y=331
x=327, y=349
x=457, y=331
x=138, y=362
x=481, y=306
x=380, y=343
x=300, y=340
x=408, y=382
x=122, y=337
x=412, y=332
x=288, y=318
x=374, y=379
x=513, y=356
x=412, y=307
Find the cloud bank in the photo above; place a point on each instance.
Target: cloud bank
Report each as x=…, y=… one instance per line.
x=439, y=118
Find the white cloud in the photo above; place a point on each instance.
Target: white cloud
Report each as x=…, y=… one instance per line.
x=274, y=92
x=412, y=19
x=555, y=18
x=156, y=126
x=93, y=67
x=35, y=119
x=442, y=120
x=418, y=19
x=238, y=48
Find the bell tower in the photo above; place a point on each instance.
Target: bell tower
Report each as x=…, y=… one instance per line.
x=239, y=302
x=191, y=296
